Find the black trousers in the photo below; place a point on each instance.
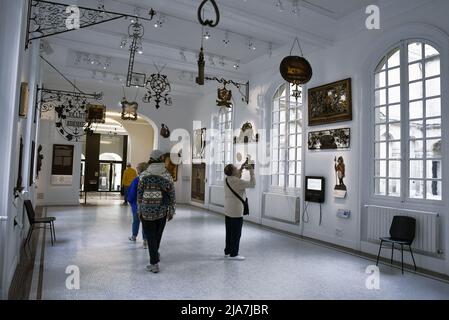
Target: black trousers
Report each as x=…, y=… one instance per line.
x=153, y=231
x=233, y=234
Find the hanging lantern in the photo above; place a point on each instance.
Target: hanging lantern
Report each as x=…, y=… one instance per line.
x=129, y=110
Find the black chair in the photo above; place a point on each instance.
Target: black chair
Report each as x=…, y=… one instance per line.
x=38, y=221
x=402, y=232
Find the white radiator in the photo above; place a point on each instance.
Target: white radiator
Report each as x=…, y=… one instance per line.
x=281, y=207
x=427, y=226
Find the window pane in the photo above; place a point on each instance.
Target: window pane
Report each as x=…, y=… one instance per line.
x=298, y=154
x=394, y=95
x=394, y=169
x=380, y=80
x=433, y=169
x=282, y=167
x=282, y=129
x=394, y=59
x=292, y=154
x=292, y=115
x=381, y=150
x=299, y=140
x=275, y=155
x=433, y=67
x=298, y=181
x=275, y=168
x=275, y=180
x=430, y=51
x=416, y=169
x=434, y=190
x=415, y=71
x=291, y=181
x=381, y=133
x=282, y=116
x=381, y=97
x=394, y=77
x=394, y=113
x=394, y=131
x=433, y=87
x=416, y=110
x=433, y=128
x=281, y=180
x=416, y=149
x=292, y=128
x=416, y=189
x=414, y=52
x=275, y=117
x=416, y=129
x=298, y=167
x=380, y=187
x=291, y=167
x=394, y=150
x=394, y=187
x=433, y=148
x=380, y=168
x=380, y=115
x=282, y=155
x=415, y=90
x=433, y=108
x=292, y=141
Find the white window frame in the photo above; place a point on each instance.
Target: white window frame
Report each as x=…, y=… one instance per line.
x=224, y=130
x=300, y=105
x=405, y=127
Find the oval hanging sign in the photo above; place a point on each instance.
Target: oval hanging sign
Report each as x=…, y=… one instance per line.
x=296, y=70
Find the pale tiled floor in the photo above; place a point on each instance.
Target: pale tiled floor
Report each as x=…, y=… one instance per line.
x=192, y=265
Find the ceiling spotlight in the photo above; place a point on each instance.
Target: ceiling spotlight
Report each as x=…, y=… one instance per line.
x=222, y=62
x=236, y=65
x=279, y=5
x=160, y=20
x=251, y=45
x=295, y=9
x=207, y=35
x=226, y=40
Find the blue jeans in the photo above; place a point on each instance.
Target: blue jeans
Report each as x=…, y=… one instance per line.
x=136, y=225
x=125, y=194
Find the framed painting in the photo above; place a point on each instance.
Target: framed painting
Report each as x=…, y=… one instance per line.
x=330, y=139
x=330, y=103
x=23, y=104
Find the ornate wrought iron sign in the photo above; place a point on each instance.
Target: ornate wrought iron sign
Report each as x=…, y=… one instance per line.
x=225, y=95
x=71, y=119
x=46, y=18
x=135, y=32
x=207, y=22
x=158, y=89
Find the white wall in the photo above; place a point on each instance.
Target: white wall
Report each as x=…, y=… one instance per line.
x=346, y=59
x=17, y=66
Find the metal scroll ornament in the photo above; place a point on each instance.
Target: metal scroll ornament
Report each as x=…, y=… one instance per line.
x=207, y=22
x=224, y=97
x=158, y=90
x=296, y=70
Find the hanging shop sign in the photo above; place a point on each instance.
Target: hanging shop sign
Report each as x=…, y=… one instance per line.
x=158, y=89
x=96, y=113
x=165, y=131
x=296, y=70
x=206, y=22
x=224, y=97
x=129, y=110
x=47, y=18
x=71, y=119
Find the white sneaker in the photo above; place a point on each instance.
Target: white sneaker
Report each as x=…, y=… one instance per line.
x=132, y=239
x=239, y=258
x=152, y=268
x=226, y=255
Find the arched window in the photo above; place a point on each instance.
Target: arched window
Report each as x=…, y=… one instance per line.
x=286, y=139
x=223, y=143
x=407, y=123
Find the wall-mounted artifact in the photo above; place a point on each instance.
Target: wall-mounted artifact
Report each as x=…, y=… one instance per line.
x=23, y=102
x=40, y=158
x=330, y=103
x=171, y=167
x=165, y=131
x=199, y=145
x=340, y=189
x=47, y=18
x=62, y=164
x=329, y=139
x=158, y=89
x=129, y=110
x=296, y=70
x=247, y=134
x=19, y=187
x=96, y=113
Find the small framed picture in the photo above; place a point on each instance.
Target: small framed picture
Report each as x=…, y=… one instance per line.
x=23, y=104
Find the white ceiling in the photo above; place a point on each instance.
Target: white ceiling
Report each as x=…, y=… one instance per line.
x=259, y=20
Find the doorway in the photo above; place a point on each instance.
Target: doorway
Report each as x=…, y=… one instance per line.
x=110, y=176
x=198, y=182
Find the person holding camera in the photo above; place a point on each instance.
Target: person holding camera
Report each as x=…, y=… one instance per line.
x=236, y=205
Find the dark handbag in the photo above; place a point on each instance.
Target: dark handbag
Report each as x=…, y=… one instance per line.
x=245, y=202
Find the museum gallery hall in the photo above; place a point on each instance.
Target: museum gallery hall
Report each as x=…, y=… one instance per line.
x=224, y=150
